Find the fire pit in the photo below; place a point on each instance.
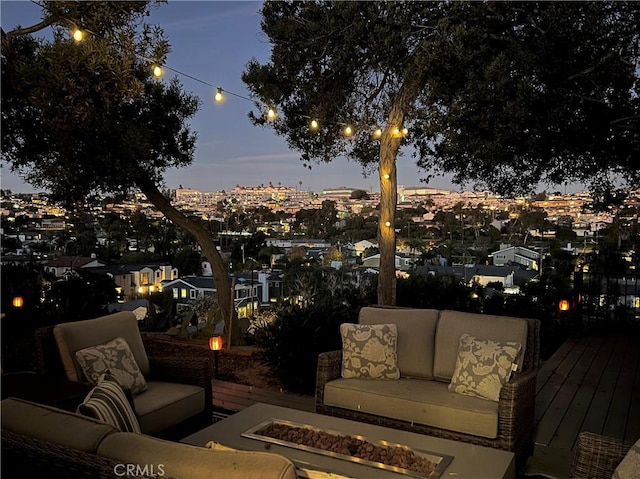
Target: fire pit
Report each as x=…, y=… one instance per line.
x=379, y=454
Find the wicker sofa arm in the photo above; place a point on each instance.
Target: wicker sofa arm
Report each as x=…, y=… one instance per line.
x=516, y=409
x=596, y=456
x=329, y=368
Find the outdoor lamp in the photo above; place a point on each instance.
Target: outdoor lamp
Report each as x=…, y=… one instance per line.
x=78, y=35
x=218, y=95
x=17, y=302
x=564, y=305
x=215, y=345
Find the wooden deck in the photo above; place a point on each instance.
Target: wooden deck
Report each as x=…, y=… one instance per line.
x=589, y=384
x=235, y=397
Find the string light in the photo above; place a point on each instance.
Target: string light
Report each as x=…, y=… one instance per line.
x=78, y=35
x=386, y=176
x=314, y=124
x=387, y=224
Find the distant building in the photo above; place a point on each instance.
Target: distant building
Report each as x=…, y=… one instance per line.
x=508, y=254
x=64, y=265
x=402, y=263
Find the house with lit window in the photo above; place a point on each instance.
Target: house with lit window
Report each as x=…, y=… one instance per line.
x=139, y=279
x=64, y=265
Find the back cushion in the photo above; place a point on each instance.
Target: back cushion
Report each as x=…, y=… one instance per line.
x=416, y=334
x=71, y=337
x=453, y=324
x=53, y=425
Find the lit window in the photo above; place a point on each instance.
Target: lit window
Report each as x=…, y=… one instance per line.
x=175, y=293
x=183, y=293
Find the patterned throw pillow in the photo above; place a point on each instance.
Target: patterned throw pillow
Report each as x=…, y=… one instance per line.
x=629, y=468
x=369, y=351
x=107, y=403
x=483, y=367
x=116, y=358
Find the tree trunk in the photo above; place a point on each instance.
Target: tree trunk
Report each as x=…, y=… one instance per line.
x=389, y=147
x=220, y=275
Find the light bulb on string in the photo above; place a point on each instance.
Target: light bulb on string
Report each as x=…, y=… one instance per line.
x=348, y=131
x=377, y=133
x=386, y=176
x=218, y=96
x=314, y=124
x=271, y=114
x=387, y=224
x=405, y=131
x=157, y=71
x=78, y=34
x=396, y=132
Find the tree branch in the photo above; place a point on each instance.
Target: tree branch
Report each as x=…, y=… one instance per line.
x=18, y=32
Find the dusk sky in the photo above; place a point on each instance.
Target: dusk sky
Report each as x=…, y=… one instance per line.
x=213, y=41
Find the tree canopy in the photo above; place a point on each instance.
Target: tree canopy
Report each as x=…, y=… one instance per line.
x=85, y=118
x=500, y=94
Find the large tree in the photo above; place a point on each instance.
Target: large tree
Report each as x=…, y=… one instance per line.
x=82, y=119
x=503, y=94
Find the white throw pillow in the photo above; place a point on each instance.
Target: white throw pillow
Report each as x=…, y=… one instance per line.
x=483, y=367
x=116, y=358
x=369, y=351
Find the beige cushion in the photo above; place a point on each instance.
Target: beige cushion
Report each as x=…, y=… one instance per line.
x=416, y=336
x=416, y=400
x=483, y=367
x=164, y=404
x=53, y=425
x=183, y=461
x=453, y=324
x=71, y=337
x=629, y=468
x=116, y=358
x=369, y=351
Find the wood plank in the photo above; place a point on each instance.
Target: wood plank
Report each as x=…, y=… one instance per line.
x=598, y=410
x=632, y=431
x=568, y=430
x=557, y=410
x=237, y=396
x=548, y=367
x=548, y=392
x=616, y=421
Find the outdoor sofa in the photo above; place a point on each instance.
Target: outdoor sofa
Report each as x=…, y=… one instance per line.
x=43, y=441
x=419, y=401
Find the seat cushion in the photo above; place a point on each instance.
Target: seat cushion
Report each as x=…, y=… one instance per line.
x=164, y=404
x=416, y=336
x=116, y=358
x=453, y=324
x=71, y=337
x=416, y=400
x=108, y=403
x=53, y=425
x=184, y=461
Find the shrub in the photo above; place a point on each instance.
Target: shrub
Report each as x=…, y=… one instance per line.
x=293, y=341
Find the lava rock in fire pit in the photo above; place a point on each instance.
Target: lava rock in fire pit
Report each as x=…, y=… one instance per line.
x=398, y=456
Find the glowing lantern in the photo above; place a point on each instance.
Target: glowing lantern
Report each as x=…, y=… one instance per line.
x=215, y=343
x=564, y=305
x=17, y=302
